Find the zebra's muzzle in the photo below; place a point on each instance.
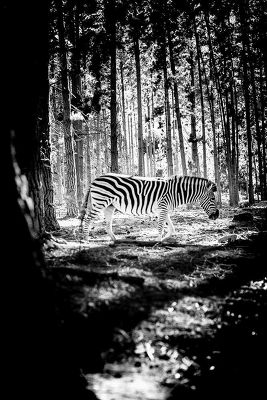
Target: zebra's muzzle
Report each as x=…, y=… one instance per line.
x=214, y=215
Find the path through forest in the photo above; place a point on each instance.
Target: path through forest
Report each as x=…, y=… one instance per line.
x=161, y=321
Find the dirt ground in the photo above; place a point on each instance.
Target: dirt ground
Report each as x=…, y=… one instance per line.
x=177, y=320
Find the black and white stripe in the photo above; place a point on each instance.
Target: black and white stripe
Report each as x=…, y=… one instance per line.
x=137, y=195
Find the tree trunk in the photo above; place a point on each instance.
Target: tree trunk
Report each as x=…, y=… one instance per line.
x=257, y=123
x=175, y=138
x=106, y=152
x=231, y=127
x=153, y=134
x=177, y=105
x=213, y=68
x=234, y=149
x=97, y=140
x=193, y=135
x=167, y=114
x=263, y=124
x=131, y=136
x=50, y=221
x=139, y=107
x=88, y=156
x=149, y=138
x=210, y=94
x=201, y=100
x=125, y=147
x=71, y=182
x=247, y=99
x=76, y=101
x=113, y=88
x=37, y=365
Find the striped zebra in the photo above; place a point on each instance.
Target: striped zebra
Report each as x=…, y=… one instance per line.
x=137, y=195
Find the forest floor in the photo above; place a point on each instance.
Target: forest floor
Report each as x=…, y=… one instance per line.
x=177, y=320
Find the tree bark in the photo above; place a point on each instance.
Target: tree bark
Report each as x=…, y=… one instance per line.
x=167, y=113
x=50, y=221
x=139, y=107
x=71, y=182
x=257, y=124
x=247, y=99
x=37, y=365
x=263, y=135
x=113, y=87
x=193, y=135
x=201, y=100
x=177, y=105
x=125, y=144
x=76, y=101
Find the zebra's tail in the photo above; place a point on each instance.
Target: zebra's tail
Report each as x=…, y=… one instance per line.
x=84, y=206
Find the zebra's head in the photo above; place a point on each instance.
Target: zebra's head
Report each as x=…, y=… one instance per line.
x=208, y=201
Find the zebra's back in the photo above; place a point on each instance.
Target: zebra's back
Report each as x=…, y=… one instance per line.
x=129, y=194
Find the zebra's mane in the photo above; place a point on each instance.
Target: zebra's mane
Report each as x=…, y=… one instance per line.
x=210, y=185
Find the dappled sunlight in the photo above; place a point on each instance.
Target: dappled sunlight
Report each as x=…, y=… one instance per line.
x=154, y=314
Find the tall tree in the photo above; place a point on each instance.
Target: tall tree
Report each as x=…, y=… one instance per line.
x=177, y=103
x=141, y=169
x=243, y=21
x=201, y=98
x=50, y=221
x=193, y=135
x=112, y=35
x=167, y=110
x=31, y=329
x=76, y=98
x=125, y=142
x=71, y=182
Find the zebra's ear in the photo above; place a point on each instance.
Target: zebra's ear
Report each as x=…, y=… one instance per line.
x=212, y=186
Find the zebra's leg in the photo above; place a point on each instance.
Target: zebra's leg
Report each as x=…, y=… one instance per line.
x=163, y=215
x=87, y=224
x=171, y=229
x=89, y=217
x=109, y=213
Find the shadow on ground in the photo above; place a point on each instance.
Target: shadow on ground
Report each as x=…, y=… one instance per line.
x=194, y=316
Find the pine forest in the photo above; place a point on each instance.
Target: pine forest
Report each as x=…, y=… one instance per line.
x=157, y=88
x=134, y=189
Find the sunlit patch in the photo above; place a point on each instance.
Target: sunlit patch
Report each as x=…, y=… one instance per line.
x=70, y=222
x=161, y=310
x=127, y=384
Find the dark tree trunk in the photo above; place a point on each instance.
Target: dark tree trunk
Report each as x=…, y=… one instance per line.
x=214, y=71
x=257, y=123
x=34, y=73
x=50, y=221
x=201, y=100
x=139, y=107
x=210, y=94
x=36, y=364
x=167, y=112
x=76, y=101
x=193, y=135
x=125, y=145
x=263, y=135
x=71, y=182
x=247, y=99
x=112, y=34
x=177, y=105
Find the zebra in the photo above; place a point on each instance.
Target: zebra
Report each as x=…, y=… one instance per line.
x=136, y=195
